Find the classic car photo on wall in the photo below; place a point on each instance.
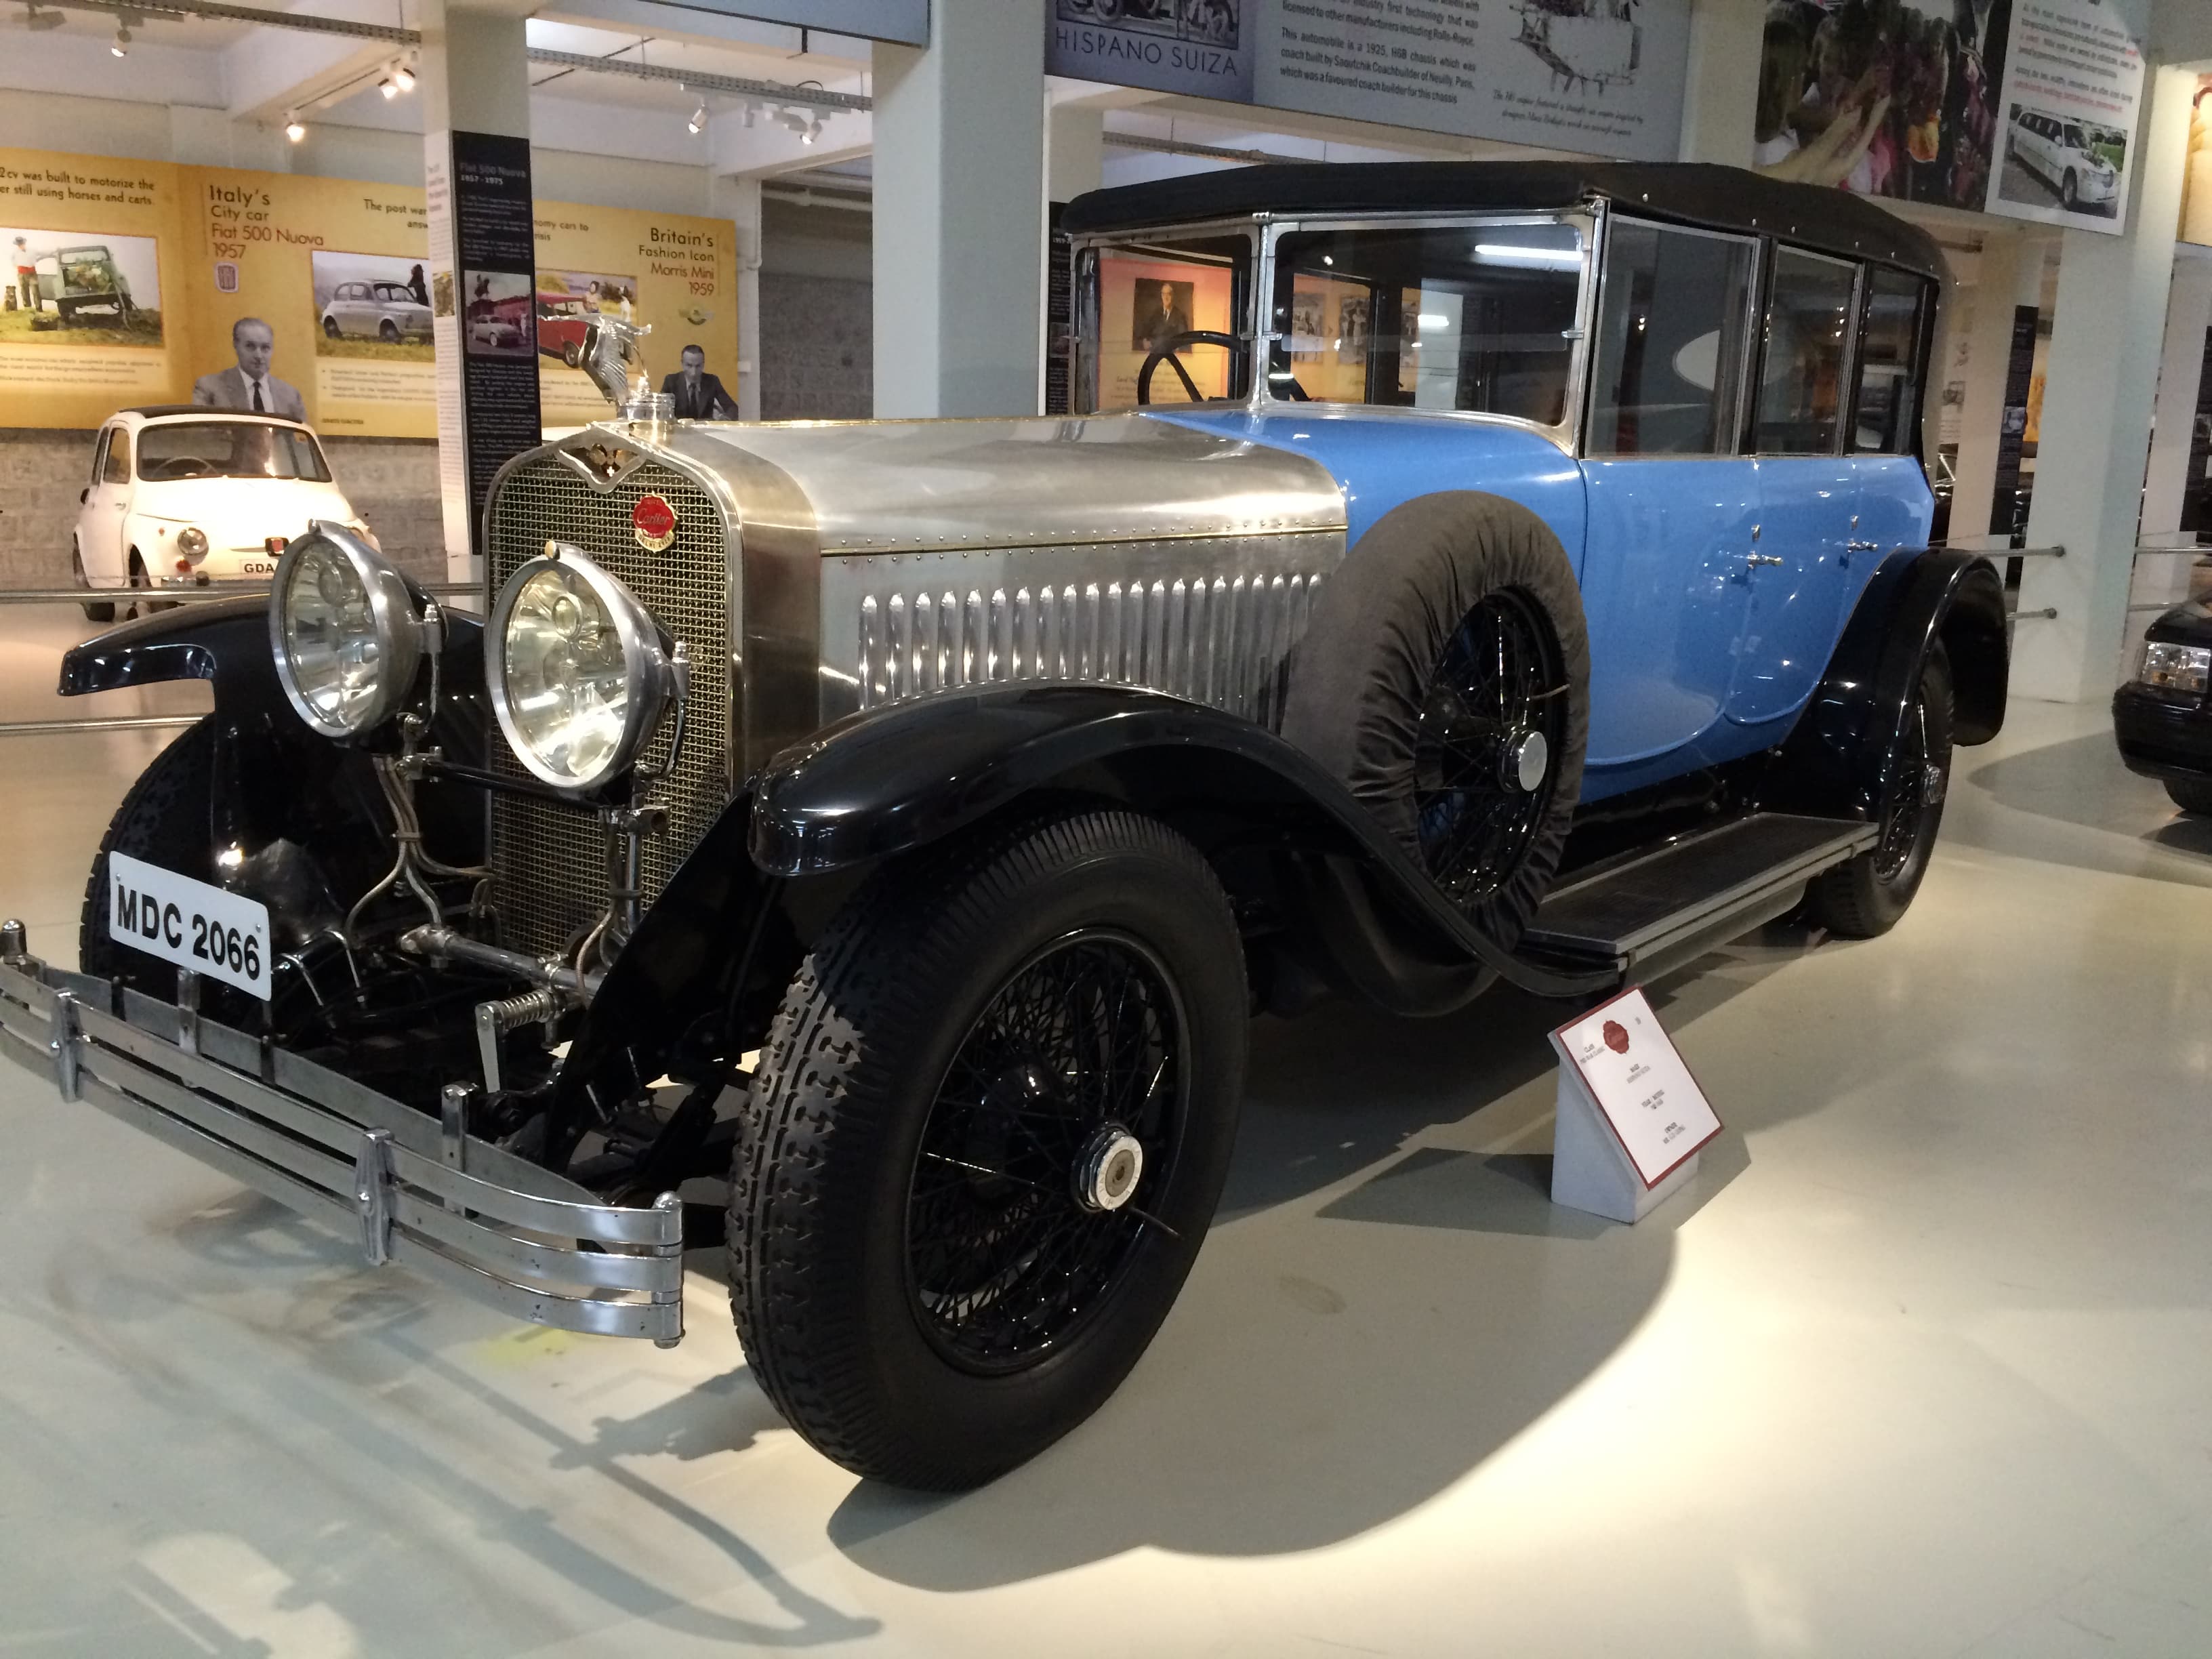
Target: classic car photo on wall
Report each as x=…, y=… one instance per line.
x=76, y=288
x=901, y=821
x=371, y=304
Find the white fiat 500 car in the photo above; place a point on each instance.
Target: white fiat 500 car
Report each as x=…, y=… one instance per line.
x=182, y=496
x=385, y=311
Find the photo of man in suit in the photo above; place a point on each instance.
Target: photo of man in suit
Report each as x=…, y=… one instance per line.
x=250, y=386
x=1163, y=311
x=699, y=395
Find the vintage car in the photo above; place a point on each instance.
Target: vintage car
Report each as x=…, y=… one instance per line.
x=2161, y=717
x=182, y=496
x=563, y=319
x=1507, y=575
x=77, y=279
x=378, y=311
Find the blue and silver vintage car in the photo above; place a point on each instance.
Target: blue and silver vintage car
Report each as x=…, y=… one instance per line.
x=1451, y=573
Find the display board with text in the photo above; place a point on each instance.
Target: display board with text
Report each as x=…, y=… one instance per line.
x=129, y=281
x=1600, y=77
x=2026, y=108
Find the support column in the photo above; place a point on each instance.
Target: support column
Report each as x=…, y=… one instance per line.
x=737, y=198
x=2180, y=375
x=2097, y=390
x=475, y=76
x=959, y=189
x=1720, y=106
x=2011, y=275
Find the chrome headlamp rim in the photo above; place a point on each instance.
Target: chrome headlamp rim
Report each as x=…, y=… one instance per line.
x=649, y=677
x=392, y=615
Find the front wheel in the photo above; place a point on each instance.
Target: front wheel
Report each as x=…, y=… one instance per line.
x=2069, y=192
x=388, y=332
x=1868, y=895
x=985, y=1138
x=2192, y=795
x=330, y=328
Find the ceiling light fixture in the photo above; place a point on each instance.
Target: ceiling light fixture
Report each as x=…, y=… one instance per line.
x=813, y=131
x=752, y=112
x=698, y=121
x=389, y=87
x=122, y=47
x=295, y=129
x=403, y=78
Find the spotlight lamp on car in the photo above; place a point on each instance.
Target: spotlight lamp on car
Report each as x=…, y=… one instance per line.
x=345, y=632
x=581, y=673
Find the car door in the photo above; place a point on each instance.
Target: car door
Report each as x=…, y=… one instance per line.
x=1796, y=564
x=106, y=502
x=1671, y=505
x=1895, y=505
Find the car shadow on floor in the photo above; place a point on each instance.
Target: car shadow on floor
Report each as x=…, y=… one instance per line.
x=2081, y=782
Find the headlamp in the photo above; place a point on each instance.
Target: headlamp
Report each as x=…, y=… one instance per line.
x=579, y=673
x=192, y=542
x=2170, y=667
x=344, y=629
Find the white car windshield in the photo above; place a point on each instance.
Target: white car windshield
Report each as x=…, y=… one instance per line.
x=229, y=449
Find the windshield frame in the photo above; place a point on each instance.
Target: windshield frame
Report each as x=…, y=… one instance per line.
x=1267, y=231
x=295, y=433
x=1584, y=221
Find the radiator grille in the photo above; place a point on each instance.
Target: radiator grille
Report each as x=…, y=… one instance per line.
x=1221, y=642
x=549, y=863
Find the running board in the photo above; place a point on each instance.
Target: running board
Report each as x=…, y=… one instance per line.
x=1657, y=907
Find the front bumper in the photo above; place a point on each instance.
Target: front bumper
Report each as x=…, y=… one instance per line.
x=446, y=1204
x=2160, y=739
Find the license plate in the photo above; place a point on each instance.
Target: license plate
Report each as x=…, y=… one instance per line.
x=192, y=923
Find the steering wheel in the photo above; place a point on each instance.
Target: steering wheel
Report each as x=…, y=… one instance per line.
x=185, y=466
x=1236, y=344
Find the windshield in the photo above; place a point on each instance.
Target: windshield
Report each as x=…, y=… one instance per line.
x=229, y=449
x=1478, y=317
x=1148, y=302
x=2075, y=139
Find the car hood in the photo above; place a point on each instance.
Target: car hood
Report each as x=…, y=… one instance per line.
x=239, y=512
x=2188, y=623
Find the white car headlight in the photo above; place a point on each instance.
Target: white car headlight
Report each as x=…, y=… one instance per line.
x=579, y=671
x=192, y=542
x=347, y=637
x=2185, y=668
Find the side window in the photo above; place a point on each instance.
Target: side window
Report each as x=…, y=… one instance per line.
x=1809, y=337
x=1476, y=316
x=99, y=453
x=118, y=468
x=1889, y=366
x=1671, y=337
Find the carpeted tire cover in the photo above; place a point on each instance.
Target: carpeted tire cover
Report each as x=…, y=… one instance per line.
x=1353, y=700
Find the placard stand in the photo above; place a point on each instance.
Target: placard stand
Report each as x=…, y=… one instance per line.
x=1631, y=1119
x=1590, y=1172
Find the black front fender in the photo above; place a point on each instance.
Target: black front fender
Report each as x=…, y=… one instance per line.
x=877, y=786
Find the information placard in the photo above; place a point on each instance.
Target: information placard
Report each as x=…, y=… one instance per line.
x=1632, y=1070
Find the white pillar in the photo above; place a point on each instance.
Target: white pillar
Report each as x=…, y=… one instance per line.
x=2098, y=385
x=2180, y=370
x=737, y=198
x=959, y=186
x=1075, y=151
x=2011, y=275
x=1720, y=106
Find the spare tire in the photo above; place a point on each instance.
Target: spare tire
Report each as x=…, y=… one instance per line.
x=1445, y=679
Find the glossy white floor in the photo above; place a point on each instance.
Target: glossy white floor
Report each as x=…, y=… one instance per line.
x=1919, y=1368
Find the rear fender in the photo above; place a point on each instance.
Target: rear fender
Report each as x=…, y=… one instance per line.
x=1837, y=758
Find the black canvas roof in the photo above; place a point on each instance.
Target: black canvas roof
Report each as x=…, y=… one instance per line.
x=1696, y=193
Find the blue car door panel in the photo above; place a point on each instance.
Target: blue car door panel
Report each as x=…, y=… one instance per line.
x=1799, y=571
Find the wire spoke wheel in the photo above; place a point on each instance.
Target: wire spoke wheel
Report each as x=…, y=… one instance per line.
x=1061, y=1110
x=1907, y=808
x=1493, y=717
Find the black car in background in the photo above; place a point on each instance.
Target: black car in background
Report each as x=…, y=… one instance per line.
x=2161, y=717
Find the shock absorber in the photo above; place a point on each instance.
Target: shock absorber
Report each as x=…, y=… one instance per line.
x=497, y=1018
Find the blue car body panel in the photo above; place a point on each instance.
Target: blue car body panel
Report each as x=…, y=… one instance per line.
x=1704, y=649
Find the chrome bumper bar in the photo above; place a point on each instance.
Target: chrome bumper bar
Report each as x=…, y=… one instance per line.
x=417, y=1192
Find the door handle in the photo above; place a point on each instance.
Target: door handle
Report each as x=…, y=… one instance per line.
x=1764, y=558
x=1862, y=547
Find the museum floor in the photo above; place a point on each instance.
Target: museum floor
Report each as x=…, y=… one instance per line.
x=1918, y=1368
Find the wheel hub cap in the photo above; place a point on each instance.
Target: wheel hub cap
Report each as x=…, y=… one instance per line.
x=1107, y=1171
x=1524, y=762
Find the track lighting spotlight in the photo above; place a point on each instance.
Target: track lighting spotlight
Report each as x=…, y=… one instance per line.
x=698, y=121
x=752, y=114
x=403, y=78
x=389, y=87
x=295, y=129
x=122, y=47
x=813, y=129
